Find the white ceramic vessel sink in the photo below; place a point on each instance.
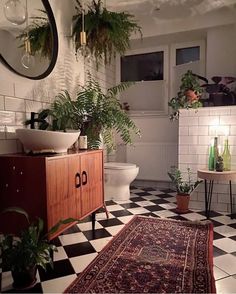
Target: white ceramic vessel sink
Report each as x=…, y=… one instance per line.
x=46, y=141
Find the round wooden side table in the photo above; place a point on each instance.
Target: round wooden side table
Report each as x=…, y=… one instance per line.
x=211, y=176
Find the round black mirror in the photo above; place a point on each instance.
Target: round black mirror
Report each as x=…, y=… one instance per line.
x=29, y=49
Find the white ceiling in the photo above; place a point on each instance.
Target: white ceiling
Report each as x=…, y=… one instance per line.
x=168, y=9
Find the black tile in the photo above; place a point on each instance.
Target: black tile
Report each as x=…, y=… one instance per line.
x=218, y=236
x=96, y=234
x=166, y=191
x=79, y=249
x=36, y=289
x=71, y=230
x=137, y=199
x=234, y=254
x=133, y=187
x=215, y=223
x=148, y=189
x=165, y=196
x=129, y=205
x=212, y=213
x=56, y=241
x=110, y=202
x=154, y=208
x=177, y=217
x=233, y=238
x=110, y=222
x=150, y=214
x=233, y=226
x=121, y=213
x=218, y=252
x=86, y=219
x=160, y=201
x=142, y=194
x=60, y=268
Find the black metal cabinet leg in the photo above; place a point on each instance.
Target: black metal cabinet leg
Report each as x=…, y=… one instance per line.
x=208, y=197
x=93, y=220
x=206, y=202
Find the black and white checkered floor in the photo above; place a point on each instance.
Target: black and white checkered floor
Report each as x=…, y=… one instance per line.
x=78, y=246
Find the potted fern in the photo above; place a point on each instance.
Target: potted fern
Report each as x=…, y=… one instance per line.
x=183, y=187
x=188, y=95
x=99, y=115
x=107, y=32
x=22, y=254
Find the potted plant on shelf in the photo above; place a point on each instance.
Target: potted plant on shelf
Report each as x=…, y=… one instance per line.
x=22, y=254
x=107, y=31
x=99, y=115
x=188, y=96
x=183, y=187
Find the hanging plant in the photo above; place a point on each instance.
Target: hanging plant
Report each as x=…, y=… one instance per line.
x=188, y=96
x=39, y=35
x=107, y=32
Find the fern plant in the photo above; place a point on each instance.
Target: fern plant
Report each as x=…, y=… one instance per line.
x=107, y=31
x=99, y=116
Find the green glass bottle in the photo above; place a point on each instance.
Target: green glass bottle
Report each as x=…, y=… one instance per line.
x=216, y=151
x=211, y=158
x=226, y=156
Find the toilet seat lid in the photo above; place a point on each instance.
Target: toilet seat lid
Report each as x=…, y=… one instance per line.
x=119, y=165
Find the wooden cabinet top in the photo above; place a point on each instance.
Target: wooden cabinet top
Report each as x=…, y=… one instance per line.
x=49, y=156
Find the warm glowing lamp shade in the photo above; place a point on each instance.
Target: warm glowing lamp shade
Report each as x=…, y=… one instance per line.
x=15, y=12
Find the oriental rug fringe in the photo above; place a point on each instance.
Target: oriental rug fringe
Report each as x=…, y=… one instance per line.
x=153, y=255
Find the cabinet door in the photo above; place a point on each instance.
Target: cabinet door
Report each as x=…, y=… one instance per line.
x=92, y=182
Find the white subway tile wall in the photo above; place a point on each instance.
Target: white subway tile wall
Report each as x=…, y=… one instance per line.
x=197, y=129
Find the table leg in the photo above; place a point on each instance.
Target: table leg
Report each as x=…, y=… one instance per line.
x=93, y=220
x=208, y=197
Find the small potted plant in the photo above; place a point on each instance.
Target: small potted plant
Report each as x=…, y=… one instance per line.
x=188, y=95
x=22, y=254
x=183, y=187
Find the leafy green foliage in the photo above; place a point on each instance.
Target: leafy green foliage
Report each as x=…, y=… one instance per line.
x=183, y=187
x=107, y=32
x=31, y=248
x=40, y=36
x=190, y=82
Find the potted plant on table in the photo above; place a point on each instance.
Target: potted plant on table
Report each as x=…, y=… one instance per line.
x=183, y=187
x=22, y=254
x=188, y=96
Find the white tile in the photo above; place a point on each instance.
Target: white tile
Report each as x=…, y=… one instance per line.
x=88, y=226
x=171, y=199
x=122, y=201
x=145, y=203
x=204, y=140
x=25, y=90
x=227, y=285
x=218, y=273
x=33, y=106
x=114, y=229
x=102, y=215
x=125, y=219
x=224, y=219
x=2, y=133
x=138, y=210
x=185, y=140
x=72, y=238
x=221, y=130
x=79, y=263
x=188, y=121
x=183, y=131
x=99, y=244
x=58, y=285
x=209, y=121
x=20, y=118
x=59, y=254
x=188, y=158
x=168, y=205
x=183, y=149
x=6, y=88
x=7, y=118
x=164, y=213
x=225, y=231
x=1, y=103
x=11, y=132
x=226, y=244
x=14, y=104
x=220, y=111
x=198, y=130
x=114, y=208
x=226, y=263
x=194, y=216
x=228, y=120
x=6, y=281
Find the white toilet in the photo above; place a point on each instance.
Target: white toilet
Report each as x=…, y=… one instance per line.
x=118, y=177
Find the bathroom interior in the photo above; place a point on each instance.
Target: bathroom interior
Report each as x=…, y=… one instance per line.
x=136, y=180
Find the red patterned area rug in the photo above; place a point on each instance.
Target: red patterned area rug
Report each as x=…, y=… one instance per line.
x=151, y=255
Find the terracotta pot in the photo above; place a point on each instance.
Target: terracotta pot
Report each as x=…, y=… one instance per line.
x=182, y=203
x=25, y=279
x=191, y=95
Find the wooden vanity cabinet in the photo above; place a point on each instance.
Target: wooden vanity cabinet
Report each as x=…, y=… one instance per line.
x=50, y=187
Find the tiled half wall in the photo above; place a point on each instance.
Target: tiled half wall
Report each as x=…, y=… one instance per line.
x=196, y=130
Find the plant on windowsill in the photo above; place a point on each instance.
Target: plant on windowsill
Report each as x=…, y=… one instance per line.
x=183, y=187
x=107, y=31
x=22, y=254
x=188, y=95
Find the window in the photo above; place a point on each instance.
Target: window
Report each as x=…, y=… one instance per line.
x=185, y=55
x=142, y=67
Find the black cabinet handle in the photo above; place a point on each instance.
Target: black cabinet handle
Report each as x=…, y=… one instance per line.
x=77, y=183
x=84, y=178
